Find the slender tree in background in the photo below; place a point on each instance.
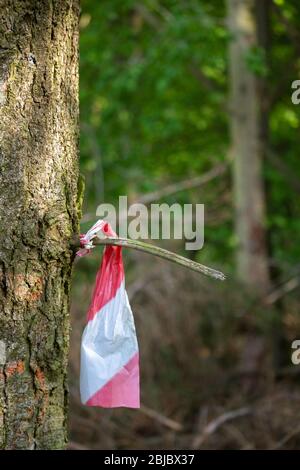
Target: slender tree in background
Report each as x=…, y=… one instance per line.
x=38, y=215
x=247, y=147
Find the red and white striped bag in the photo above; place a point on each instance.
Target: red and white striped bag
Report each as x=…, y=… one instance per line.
x=109, y=373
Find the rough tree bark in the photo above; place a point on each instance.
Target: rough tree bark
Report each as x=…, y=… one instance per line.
x=38, y=216
x=247, y=148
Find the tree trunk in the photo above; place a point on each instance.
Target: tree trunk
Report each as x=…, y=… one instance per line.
x=38, y=216
x=247, y=149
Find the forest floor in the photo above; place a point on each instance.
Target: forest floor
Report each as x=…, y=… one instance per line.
x=216, y=370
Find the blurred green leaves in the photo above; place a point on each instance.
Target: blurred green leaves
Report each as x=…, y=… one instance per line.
x=256, y=61
x=153, y=92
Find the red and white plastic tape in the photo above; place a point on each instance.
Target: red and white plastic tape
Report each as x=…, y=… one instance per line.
x=109, y=372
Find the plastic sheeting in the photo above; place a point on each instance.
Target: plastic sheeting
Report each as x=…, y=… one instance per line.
x=109, y=371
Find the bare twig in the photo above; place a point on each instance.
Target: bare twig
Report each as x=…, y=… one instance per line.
x=288, y=437
x=148, y=16
x=287, y=287
x=169, y=423
x=284, y=170
x=218, y=422
x=161, y=253
x=173, y=188
x=207, y=82
x=239, y=437
x=184, y=185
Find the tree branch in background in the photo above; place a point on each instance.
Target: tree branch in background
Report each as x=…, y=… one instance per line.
x=150, y=18
x=284, y=169
x=157, y=23
x=208, y=83
x=174, y=188
x=216, y=423
x=169, y=423
x=284, y=289
x=290, y=29
x=183, y=185
x=289, y=436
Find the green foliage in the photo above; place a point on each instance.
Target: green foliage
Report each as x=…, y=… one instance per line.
x=154, y=119
x=154, y=86
x=257, y=61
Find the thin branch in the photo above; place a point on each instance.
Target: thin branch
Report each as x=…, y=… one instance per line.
x=207, y=82
x=287, y=438
x=284, y=169
x=284, y=289
x=168, y=422
x=239, y=437
x=173, y=188
x=218, y=422
x=148, y=16
x=161, y=253
x=184, y=185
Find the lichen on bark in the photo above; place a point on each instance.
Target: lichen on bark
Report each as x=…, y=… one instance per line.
x=38, y=216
